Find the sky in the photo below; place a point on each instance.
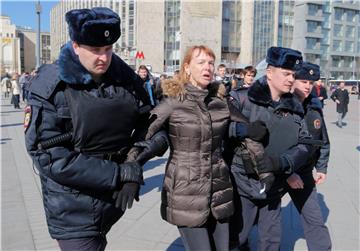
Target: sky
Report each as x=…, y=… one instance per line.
x=22, y=13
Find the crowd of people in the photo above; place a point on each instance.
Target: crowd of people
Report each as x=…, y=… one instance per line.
x=236, y=145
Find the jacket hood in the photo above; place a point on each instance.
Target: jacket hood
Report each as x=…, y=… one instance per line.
x=173, y=88
x=259, y=92
x=73, y=72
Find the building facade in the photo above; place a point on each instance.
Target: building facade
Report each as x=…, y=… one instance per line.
x=328, y=34
x=10, y=47
x=154, y=33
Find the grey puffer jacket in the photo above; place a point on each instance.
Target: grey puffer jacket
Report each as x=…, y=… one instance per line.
x=197, y=180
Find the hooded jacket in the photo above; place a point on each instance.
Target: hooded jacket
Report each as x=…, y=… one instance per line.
x=197, y=181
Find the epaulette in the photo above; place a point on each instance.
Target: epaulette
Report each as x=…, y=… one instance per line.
x=45, y=81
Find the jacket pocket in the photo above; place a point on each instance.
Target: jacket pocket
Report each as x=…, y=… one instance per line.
x=67, y=207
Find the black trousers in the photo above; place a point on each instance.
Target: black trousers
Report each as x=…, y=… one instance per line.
x=307, y=204
x=268, y=215
x=214, y=235
x=95, y=243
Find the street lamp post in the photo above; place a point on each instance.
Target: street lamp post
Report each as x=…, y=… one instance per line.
x=38, y=12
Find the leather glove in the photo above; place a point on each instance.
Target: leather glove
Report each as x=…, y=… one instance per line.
x=275, y=165
x=125, y=197
x=155, y=146
x=130, y=172
x=255, y=130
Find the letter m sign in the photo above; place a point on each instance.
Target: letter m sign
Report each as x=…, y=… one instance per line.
x=140, y=55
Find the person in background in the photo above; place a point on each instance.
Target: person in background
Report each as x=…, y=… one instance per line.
x=6, y=86
x=237, y=80
x=197, y=192
x=249, y=75
x=221, y=77
x=15, y=91
x=320, y=91
x=23, y=81
x=148, y=83
x=341, y=97
x=157, y=90
x=301, y=184
x=84, y=116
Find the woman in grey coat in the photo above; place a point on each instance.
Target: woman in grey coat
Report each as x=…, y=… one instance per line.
x=197, y=192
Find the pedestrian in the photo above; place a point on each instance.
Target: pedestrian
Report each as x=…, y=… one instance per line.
x=341, y=97
x=15, y=91
x=84, y=114
x=301, y=184
x=320, y=91
x=197, y=191
x=249, y=73
x=237, y=79
x=157, y=90
x=23, y=81
x=223, y=78
x=6, y=86
x=274, y=116
x=148, y=83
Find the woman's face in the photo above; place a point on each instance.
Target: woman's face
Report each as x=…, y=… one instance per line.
x=200, y=69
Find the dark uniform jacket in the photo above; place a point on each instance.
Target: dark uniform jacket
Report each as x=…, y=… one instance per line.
x=286, y=126
x=343, y=97
x=319, y=155
x=77, y=180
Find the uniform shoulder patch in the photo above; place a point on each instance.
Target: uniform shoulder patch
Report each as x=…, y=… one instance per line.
x=27, y=117
x=317, y=123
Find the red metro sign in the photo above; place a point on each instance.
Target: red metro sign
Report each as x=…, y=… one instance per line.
x=140, y=55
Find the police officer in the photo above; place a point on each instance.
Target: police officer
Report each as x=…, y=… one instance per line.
x=85, y=112
x=275, y=121
x=301, y=184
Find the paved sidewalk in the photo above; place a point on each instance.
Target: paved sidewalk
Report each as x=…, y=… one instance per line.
x=23, y=221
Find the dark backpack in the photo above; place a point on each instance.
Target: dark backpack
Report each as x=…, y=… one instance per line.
x=8, y=83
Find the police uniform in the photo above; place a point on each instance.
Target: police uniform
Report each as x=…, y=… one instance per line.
x=284, y=122
x=80, y=174
x=306, y=199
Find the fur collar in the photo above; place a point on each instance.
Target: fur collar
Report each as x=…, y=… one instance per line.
x=174, y=89
x=259, y=92
x=313, y=102
x=72, y=71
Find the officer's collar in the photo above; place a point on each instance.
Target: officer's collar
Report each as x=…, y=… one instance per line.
x=259, y=92
x=312, y=101
x=72, y=71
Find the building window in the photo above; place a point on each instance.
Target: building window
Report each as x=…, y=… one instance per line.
x=311, y=43
x=336, y=61
x=339, y=14
x=338, y=31
x=349, y=46
x=350, y=31
x=348, y=62
x=312, y=26
x=350, y=15
x=337, y=44
x=312, y=9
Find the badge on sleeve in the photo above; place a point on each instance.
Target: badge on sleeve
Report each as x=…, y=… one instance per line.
x=317, y=123
x=27, y=118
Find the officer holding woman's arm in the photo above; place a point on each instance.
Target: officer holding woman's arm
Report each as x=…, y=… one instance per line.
x=275, y=117
x=85, y=113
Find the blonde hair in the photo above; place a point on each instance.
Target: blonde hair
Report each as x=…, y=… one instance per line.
x=183, y=77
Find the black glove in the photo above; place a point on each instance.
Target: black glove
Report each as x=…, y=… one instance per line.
x=156, y=146
x=130, y=172
x=257, y=130
x=275, y=165
x=125, y=197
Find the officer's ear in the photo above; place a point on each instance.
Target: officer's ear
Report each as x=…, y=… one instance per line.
x=75, y=46
x=269, y=71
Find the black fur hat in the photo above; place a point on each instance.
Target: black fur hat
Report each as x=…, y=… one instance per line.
x=308, y=71
x=98, y=26
x=284, y=57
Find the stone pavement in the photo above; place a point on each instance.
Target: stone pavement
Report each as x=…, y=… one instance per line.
x=23, y=225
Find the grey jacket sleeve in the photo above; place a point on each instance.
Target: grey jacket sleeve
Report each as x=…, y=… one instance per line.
x=322, y=162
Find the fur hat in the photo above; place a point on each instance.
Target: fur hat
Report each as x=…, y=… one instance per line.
x=308, y=71
x=98, y=26
x=284, y=57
